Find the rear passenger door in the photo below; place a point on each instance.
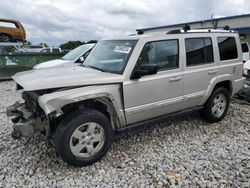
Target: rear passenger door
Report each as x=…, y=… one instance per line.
x=199, y=69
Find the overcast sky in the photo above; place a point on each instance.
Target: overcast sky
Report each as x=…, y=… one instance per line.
x=58, y=21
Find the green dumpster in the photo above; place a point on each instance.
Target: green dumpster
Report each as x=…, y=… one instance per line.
x=17, y=62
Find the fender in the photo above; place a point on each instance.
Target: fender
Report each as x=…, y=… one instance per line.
x=54, y=102
x=212, y=84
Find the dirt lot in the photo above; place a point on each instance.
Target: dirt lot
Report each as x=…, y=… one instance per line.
x=198, y=153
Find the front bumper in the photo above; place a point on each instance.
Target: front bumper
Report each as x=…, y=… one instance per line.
x=24, y=123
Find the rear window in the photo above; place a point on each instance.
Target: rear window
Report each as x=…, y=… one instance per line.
x=199, y=51
x=227, y=48
x=7, y=24
x=244, y=47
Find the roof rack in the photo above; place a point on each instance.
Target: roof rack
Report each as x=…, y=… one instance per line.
x=140, y=32
x=187, y=29
x=226, y=27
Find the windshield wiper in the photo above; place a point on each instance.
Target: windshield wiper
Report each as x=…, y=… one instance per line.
x=93, y=67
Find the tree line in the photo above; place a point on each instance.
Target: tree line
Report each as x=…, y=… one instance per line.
x=70, y=45
x=73, y=44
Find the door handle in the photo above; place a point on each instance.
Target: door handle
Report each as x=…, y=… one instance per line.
x=212, y=72
x=173, y=79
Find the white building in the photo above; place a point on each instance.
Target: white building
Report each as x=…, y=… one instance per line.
x=240, y=23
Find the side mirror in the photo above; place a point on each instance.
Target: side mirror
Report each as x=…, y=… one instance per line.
x=80, y=60
x=144, y=69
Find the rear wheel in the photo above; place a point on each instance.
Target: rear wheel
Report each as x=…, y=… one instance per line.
x=83, y=137
x=5, y=38
x=217, y=105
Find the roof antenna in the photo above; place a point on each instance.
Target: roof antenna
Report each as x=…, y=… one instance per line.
x=186, y=28
x=212, y=16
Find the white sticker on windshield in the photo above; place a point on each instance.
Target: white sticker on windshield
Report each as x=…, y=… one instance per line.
x=122, y=49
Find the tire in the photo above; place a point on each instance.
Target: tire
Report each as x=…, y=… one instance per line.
x=83, y=137
x=5, y=38
x=216, y=106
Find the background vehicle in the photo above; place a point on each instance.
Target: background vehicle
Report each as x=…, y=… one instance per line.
x=34, y=48
x=127, y=82
x=11, y=31
x=246, y=55
x=51, y=50
x=7, y=47
x=247, y=72
x=77, y=55
x=245, y=51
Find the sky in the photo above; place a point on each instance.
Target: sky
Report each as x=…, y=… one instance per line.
x=57, y=21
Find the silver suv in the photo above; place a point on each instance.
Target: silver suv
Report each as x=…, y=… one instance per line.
x=127, y=82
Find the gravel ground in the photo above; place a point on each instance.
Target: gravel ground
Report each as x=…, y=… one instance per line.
x=186, y=150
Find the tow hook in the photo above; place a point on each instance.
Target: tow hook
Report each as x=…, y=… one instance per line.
x=16, y=134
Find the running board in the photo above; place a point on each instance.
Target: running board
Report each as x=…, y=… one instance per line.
x=156, y=120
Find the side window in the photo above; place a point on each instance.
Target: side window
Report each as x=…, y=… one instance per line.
x=227, y=48
x=199, y=51
x=163, y=53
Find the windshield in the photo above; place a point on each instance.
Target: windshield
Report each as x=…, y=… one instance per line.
x=110, y=55
x=73, y=54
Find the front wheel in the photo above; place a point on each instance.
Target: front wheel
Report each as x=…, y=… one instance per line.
x=216, y=106
x=83, y=137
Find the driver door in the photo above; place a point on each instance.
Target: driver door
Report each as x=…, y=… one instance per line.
x=155, y=95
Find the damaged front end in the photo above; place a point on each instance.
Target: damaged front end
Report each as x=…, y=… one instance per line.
x=27, y=118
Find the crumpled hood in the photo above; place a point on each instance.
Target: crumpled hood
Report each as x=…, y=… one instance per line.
x=53, y=63
x=59, y=77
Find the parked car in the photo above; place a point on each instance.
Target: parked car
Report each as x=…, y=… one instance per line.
x=11, y=48
x=34, y=48
x=246, y=55
x=11, y=31
x=247, y=72
x=245, y=51
x=128, y=82
x=51, y=50
x=76, y=56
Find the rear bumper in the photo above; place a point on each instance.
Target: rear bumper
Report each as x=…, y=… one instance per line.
x=238, y=85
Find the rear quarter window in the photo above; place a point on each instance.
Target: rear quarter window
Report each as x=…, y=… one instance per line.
x=244, y=47
x=227, y=48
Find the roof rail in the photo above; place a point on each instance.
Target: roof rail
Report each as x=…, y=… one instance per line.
x=178, y=31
